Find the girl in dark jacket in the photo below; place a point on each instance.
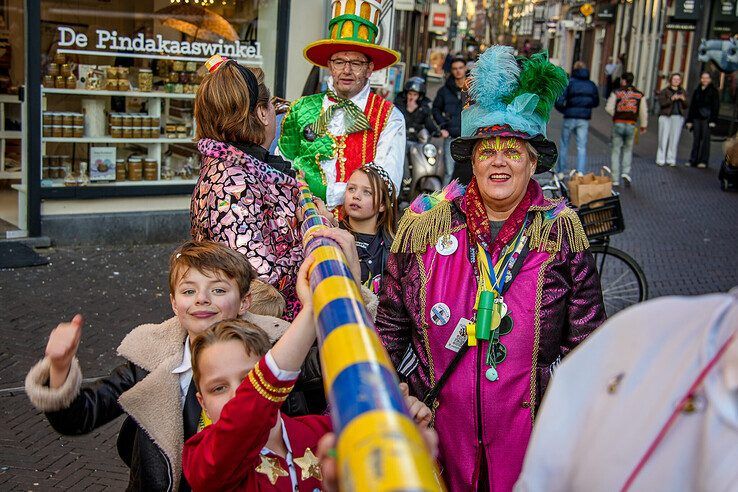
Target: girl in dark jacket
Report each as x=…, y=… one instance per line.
x=701, y=119
x=674, y=105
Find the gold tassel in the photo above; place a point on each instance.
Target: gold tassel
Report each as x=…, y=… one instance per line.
x=539, y=231
x=416, y=231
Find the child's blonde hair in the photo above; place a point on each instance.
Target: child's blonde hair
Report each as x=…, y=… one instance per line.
x=266, y=300
x=255, y=340
x=210, y=258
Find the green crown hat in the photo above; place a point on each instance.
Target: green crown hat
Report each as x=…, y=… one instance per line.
x=353, y=28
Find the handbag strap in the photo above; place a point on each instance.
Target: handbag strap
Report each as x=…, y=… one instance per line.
x=433, y=393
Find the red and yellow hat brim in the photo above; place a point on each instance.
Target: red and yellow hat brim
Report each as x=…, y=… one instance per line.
x=320, y=52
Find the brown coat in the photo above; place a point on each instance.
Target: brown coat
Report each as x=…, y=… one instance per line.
x=667, y=105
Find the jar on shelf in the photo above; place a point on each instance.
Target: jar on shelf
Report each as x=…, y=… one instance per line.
x=150, y=169
x=127, y=132
x=53, y=69
x=116, y=131
x=111, y=72
x=79, y=119
x=60, y=82
x=152, y=121
x=136, y=132
x=57, y=118
x=48, y=131
x=67, y=131
x=146, y=132
x=60, y=58
x=48, y=118
x=178, y=88
x=127, y=119
x=65, y=162
x=111, y=84
x=48, y=81
x=71, y=82
x=124, y=85
x=123, y=72
x=182, y=131
x=65, y=70
x=116, y=119
x=135, y=169
x=178, y=66
x=68, y=119
x=57, y=131
x=145, y=80
x=79, y=131
x=136, y=119
x=120, y=169
x=184, y=78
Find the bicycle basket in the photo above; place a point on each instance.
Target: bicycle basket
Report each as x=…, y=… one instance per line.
x=602, y=217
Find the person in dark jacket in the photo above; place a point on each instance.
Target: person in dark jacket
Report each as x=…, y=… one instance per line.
x=447, y=108
x=673, y=103
x=701, y=119
x=576, y=104
x=417, y=109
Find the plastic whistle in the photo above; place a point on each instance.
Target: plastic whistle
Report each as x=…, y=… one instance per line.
x=486, y=315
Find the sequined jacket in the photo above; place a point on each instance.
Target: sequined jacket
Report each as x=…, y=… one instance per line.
x=250, y=207
x=555, y=301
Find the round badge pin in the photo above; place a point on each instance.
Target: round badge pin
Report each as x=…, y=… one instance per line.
x=491, y=374
x=440, y=313
x=447, y=245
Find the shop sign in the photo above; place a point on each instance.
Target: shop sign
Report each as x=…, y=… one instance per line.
x=606, y=12
x=407, y=5
x=687, y=9
x=110, y=43
x=439, y=18
x=586, y=9
x=727, y=10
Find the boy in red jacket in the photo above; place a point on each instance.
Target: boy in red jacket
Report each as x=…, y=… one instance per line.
x=241, y=386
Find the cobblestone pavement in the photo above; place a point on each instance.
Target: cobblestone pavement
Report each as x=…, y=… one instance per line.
x=679, y=226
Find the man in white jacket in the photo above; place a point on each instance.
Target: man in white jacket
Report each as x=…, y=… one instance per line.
x=649, y=402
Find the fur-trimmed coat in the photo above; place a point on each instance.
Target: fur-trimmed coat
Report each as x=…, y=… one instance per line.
x=151, y=438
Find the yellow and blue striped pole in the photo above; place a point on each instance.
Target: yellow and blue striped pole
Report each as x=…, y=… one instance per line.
x=379, y=446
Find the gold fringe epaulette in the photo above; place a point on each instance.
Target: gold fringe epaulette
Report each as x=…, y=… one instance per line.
x=566, y=221
x=417, y=230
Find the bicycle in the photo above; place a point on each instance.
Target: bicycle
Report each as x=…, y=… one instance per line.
x=621, y=277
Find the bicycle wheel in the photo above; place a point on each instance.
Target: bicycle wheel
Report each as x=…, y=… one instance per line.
x=622, y=279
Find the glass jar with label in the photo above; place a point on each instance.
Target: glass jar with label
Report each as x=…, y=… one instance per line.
x=145, y=80
x=135, y=169
x=120, y=169
x=127, y=132
x=60, y=82
x=71, y=82
x=124, y=85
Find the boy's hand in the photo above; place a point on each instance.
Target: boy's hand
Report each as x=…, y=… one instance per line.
x=418, y=410
x=303, y=283
x=323, y=210
x=348, y=245
x=61, y=349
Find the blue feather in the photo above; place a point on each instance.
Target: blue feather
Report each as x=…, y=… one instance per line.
x=494, y=77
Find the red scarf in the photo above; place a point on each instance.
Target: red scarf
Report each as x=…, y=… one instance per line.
x=478, y=222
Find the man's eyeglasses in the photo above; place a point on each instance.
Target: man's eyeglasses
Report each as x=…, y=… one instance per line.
x=356, y=65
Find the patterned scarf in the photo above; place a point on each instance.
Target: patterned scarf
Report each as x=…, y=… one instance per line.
x=478, y=222
x=355, y=118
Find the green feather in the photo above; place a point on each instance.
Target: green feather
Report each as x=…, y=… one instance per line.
x=541, y=77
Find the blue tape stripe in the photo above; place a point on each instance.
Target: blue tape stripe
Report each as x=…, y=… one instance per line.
x=361, y=388
x=327, y=269
x=339, y=312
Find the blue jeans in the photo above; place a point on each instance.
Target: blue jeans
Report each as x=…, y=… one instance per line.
x=581, y=131
x=623, y=135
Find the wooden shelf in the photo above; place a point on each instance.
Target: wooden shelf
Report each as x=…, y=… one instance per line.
x=93, y=140
x=152, y=94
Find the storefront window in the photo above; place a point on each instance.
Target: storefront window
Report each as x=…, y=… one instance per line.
x=119, y=82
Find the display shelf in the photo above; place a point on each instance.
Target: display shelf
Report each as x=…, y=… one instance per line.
x=6, y=100
x=59, y=183
x=95, y=140
x=87, y=92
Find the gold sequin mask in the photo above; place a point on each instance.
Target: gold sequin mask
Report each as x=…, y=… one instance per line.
x=510, y=147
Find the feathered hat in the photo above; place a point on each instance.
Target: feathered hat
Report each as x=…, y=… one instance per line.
x=511, y=97
x=353, y=28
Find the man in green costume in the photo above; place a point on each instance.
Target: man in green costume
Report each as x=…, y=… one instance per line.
x=329, y=135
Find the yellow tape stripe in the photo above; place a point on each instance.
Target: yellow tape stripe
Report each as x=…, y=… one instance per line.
x=368, y=452
x=334, y=288
x=348, y=345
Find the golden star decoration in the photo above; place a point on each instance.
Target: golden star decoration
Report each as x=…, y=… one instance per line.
x=271, y=468
x=309, y=465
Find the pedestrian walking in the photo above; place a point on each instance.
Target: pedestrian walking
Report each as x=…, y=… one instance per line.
x=629, y=112
x=447, y=108
x=673, y=109
x=701, y=119
x=609, y=71
x=576, y=103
